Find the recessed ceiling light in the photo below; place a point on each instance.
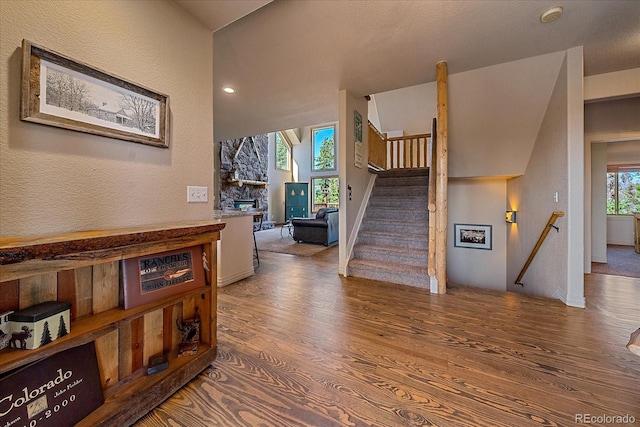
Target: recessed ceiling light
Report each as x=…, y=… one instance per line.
x=551, y=14
x=229, y=89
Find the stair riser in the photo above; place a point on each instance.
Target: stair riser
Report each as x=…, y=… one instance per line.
x=398, y=204
x=373, y=274
x=395, y=214
x=394, y=226
x=401, y=181
x=400, y=191
x=398, y=242
x=418, y=259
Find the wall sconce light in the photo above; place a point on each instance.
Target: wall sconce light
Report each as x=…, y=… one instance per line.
x=510, y=217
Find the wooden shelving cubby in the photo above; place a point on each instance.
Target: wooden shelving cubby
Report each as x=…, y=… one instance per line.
x=84, y=268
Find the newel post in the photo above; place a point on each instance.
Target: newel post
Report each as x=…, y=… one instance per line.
x=441, y=177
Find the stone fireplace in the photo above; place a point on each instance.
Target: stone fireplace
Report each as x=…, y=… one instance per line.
x=244, y=174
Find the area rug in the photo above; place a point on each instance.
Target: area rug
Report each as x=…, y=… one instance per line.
x=277, y=240
x=622, y=261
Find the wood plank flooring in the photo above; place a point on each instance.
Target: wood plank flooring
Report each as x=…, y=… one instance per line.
x=300, y=345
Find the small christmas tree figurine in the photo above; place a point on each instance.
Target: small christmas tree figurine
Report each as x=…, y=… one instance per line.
x=62, y=330
x=46, y=335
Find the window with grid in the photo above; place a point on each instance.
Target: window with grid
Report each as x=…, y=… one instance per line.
x=326, y=192
x=623, y=189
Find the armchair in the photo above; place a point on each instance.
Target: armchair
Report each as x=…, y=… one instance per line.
x=321, y=229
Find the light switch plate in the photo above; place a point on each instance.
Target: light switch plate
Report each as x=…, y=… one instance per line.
x=197, y=194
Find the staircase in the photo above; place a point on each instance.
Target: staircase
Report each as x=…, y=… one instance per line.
x=393, y=239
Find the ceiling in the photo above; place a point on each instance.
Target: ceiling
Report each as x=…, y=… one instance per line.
x=288, y=60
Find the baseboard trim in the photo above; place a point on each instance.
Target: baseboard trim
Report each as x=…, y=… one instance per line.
x=232, y=278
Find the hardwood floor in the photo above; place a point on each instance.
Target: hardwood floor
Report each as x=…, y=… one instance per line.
x=300, y=345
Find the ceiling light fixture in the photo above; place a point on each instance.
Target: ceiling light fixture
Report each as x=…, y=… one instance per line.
x=229, y=89
x=551, y=14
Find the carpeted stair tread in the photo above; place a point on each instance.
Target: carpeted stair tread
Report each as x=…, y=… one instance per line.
x=387, y=272
x=390, y=254
x=395, y=225
x=395, y=236
x=400, y=191
x=390, y=213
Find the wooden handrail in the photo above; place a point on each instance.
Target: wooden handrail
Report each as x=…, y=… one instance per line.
x=408, y=152
x=377, y=148
x=409, y=137
x=398, y=152
x=543, y=236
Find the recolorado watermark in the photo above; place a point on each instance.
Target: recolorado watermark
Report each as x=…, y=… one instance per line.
x=604, y=419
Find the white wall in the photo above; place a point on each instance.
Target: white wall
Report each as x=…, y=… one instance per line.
x=57, y=180
x=277, y=178
x=478, y=202
x=354, y=181
x=598, y=203
x=612, y=85
x=620, y=230
x=532, y=194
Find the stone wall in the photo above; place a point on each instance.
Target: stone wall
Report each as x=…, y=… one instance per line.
x=245, y=159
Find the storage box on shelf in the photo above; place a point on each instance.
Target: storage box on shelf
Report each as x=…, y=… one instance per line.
x=84, y=268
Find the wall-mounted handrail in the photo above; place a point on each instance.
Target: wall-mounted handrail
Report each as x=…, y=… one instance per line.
x=543, y=236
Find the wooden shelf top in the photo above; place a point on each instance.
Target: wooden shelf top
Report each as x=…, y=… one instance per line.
x=241, y=182
x=25, y=248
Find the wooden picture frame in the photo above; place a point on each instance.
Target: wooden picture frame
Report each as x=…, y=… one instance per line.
x=472, y=236
x=62, y=92
x=152, y=277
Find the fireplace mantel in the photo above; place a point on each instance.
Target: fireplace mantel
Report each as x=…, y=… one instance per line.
x=241, y=182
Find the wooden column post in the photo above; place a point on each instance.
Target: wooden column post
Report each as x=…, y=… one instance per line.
x=441, y=177
x=431, y=261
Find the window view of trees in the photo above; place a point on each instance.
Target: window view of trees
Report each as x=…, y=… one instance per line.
x=326, y=193
x=324, y=150
x=283, y=153
x=623, y=191
x=66, y=91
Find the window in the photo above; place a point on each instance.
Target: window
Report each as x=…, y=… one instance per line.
x=323, y=148
x=623, y=190
x=326, y=193
x=283, y=153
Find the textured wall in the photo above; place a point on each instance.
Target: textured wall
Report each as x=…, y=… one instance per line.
x=473, y=201
x=532, y=196
x=56, y=180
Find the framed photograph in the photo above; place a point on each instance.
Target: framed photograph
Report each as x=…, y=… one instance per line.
x=59, y=91
x=357, y=124
x=152, y=277
x=472, y=236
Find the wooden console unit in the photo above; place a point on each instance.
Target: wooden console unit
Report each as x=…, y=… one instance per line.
x=84, y=268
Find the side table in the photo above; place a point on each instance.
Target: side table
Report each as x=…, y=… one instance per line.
x=289, y=227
